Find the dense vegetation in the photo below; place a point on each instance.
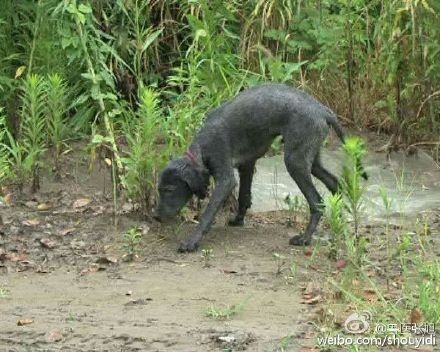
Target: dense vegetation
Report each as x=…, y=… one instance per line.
x=132, y=80
x=138, y=75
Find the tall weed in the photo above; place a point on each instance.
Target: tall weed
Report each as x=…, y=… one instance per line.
x=146, y=153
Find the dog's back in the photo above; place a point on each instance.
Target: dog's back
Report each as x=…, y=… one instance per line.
x=249, y=122
x=267, y=107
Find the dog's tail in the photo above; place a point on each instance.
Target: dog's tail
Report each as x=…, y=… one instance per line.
x=333, y=122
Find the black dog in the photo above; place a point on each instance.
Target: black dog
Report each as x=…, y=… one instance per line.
x=235, y=135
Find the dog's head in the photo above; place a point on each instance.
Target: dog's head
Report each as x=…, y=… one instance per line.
x=178, y=182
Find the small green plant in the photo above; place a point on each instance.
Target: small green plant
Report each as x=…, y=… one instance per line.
x=131, y=239
x=293, y=270
x=342, y=238
x=33, y=127
x=72, y=317
x=351, y=181
x=207, y=255
x=334, y=214
x=403, y=249
x=429, y=301
x=294, y=205
x=284, y=344
x=431, y=270
x=422, y=226
x=56, y=110
x=6, y=173
x=356, y=249
x=315, y=255
x=14, y=164
x=145, y=156
x=280, y=261
x=225, y=312
x=429, y=291
x=4, y=293
x=20, y=157
x=387, y=203
x=277, y=146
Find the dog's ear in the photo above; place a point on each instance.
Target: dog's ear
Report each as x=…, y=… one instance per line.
x=197, y=179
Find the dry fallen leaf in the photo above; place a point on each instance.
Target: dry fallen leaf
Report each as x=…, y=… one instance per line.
x=308, y=252
x=23, y=322
x=355, y=283
x=42, y=270
x=226, y=271
x=31, y=222
x=81, y=202
x=67, y=231
x=415, y=316
x=8, y=198
x=140, y=301
x=15, y=257
x=44, y=206
x=341, y=264
x=31, y=204
x=370, y=295
x=312, y=293
x=312, y=288
x=47, y=243
x=54, y=336
x=91, y=269
x=312, y=300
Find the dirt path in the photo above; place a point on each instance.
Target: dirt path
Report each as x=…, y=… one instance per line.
x=61, y=267
x=160, y=304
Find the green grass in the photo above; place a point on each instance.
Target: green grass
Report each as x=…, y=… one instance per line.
x=207, y=256
x=4, y=293
x=131, y=242
x=389, y=273
x=226, y=311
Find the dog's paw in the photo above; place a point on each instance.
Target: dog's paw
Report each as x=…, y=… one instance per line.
x=300, y=240
x=188, y=247
x=235, y=221
x=191, y=244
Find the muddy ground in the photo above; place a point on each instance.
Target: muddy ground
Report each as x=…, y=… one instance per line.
x=65, y=284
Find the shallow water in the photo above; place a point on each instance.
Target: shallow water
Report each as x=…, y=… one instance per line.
x=411, y=182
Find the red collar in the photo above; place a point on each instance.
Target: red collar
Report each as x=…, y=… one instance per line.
x=191, y=157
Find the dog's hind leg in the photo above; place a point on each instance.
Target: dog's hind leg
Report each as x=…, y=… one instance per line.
x=299, y=164
x=325, y=176
x=246, y=172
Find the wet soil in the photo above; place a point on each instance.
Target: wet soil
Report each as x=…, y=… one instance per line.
x=65, y=283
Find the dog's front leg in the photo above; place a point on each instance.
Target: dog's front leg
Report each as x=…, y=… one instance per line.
x=223, y=188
